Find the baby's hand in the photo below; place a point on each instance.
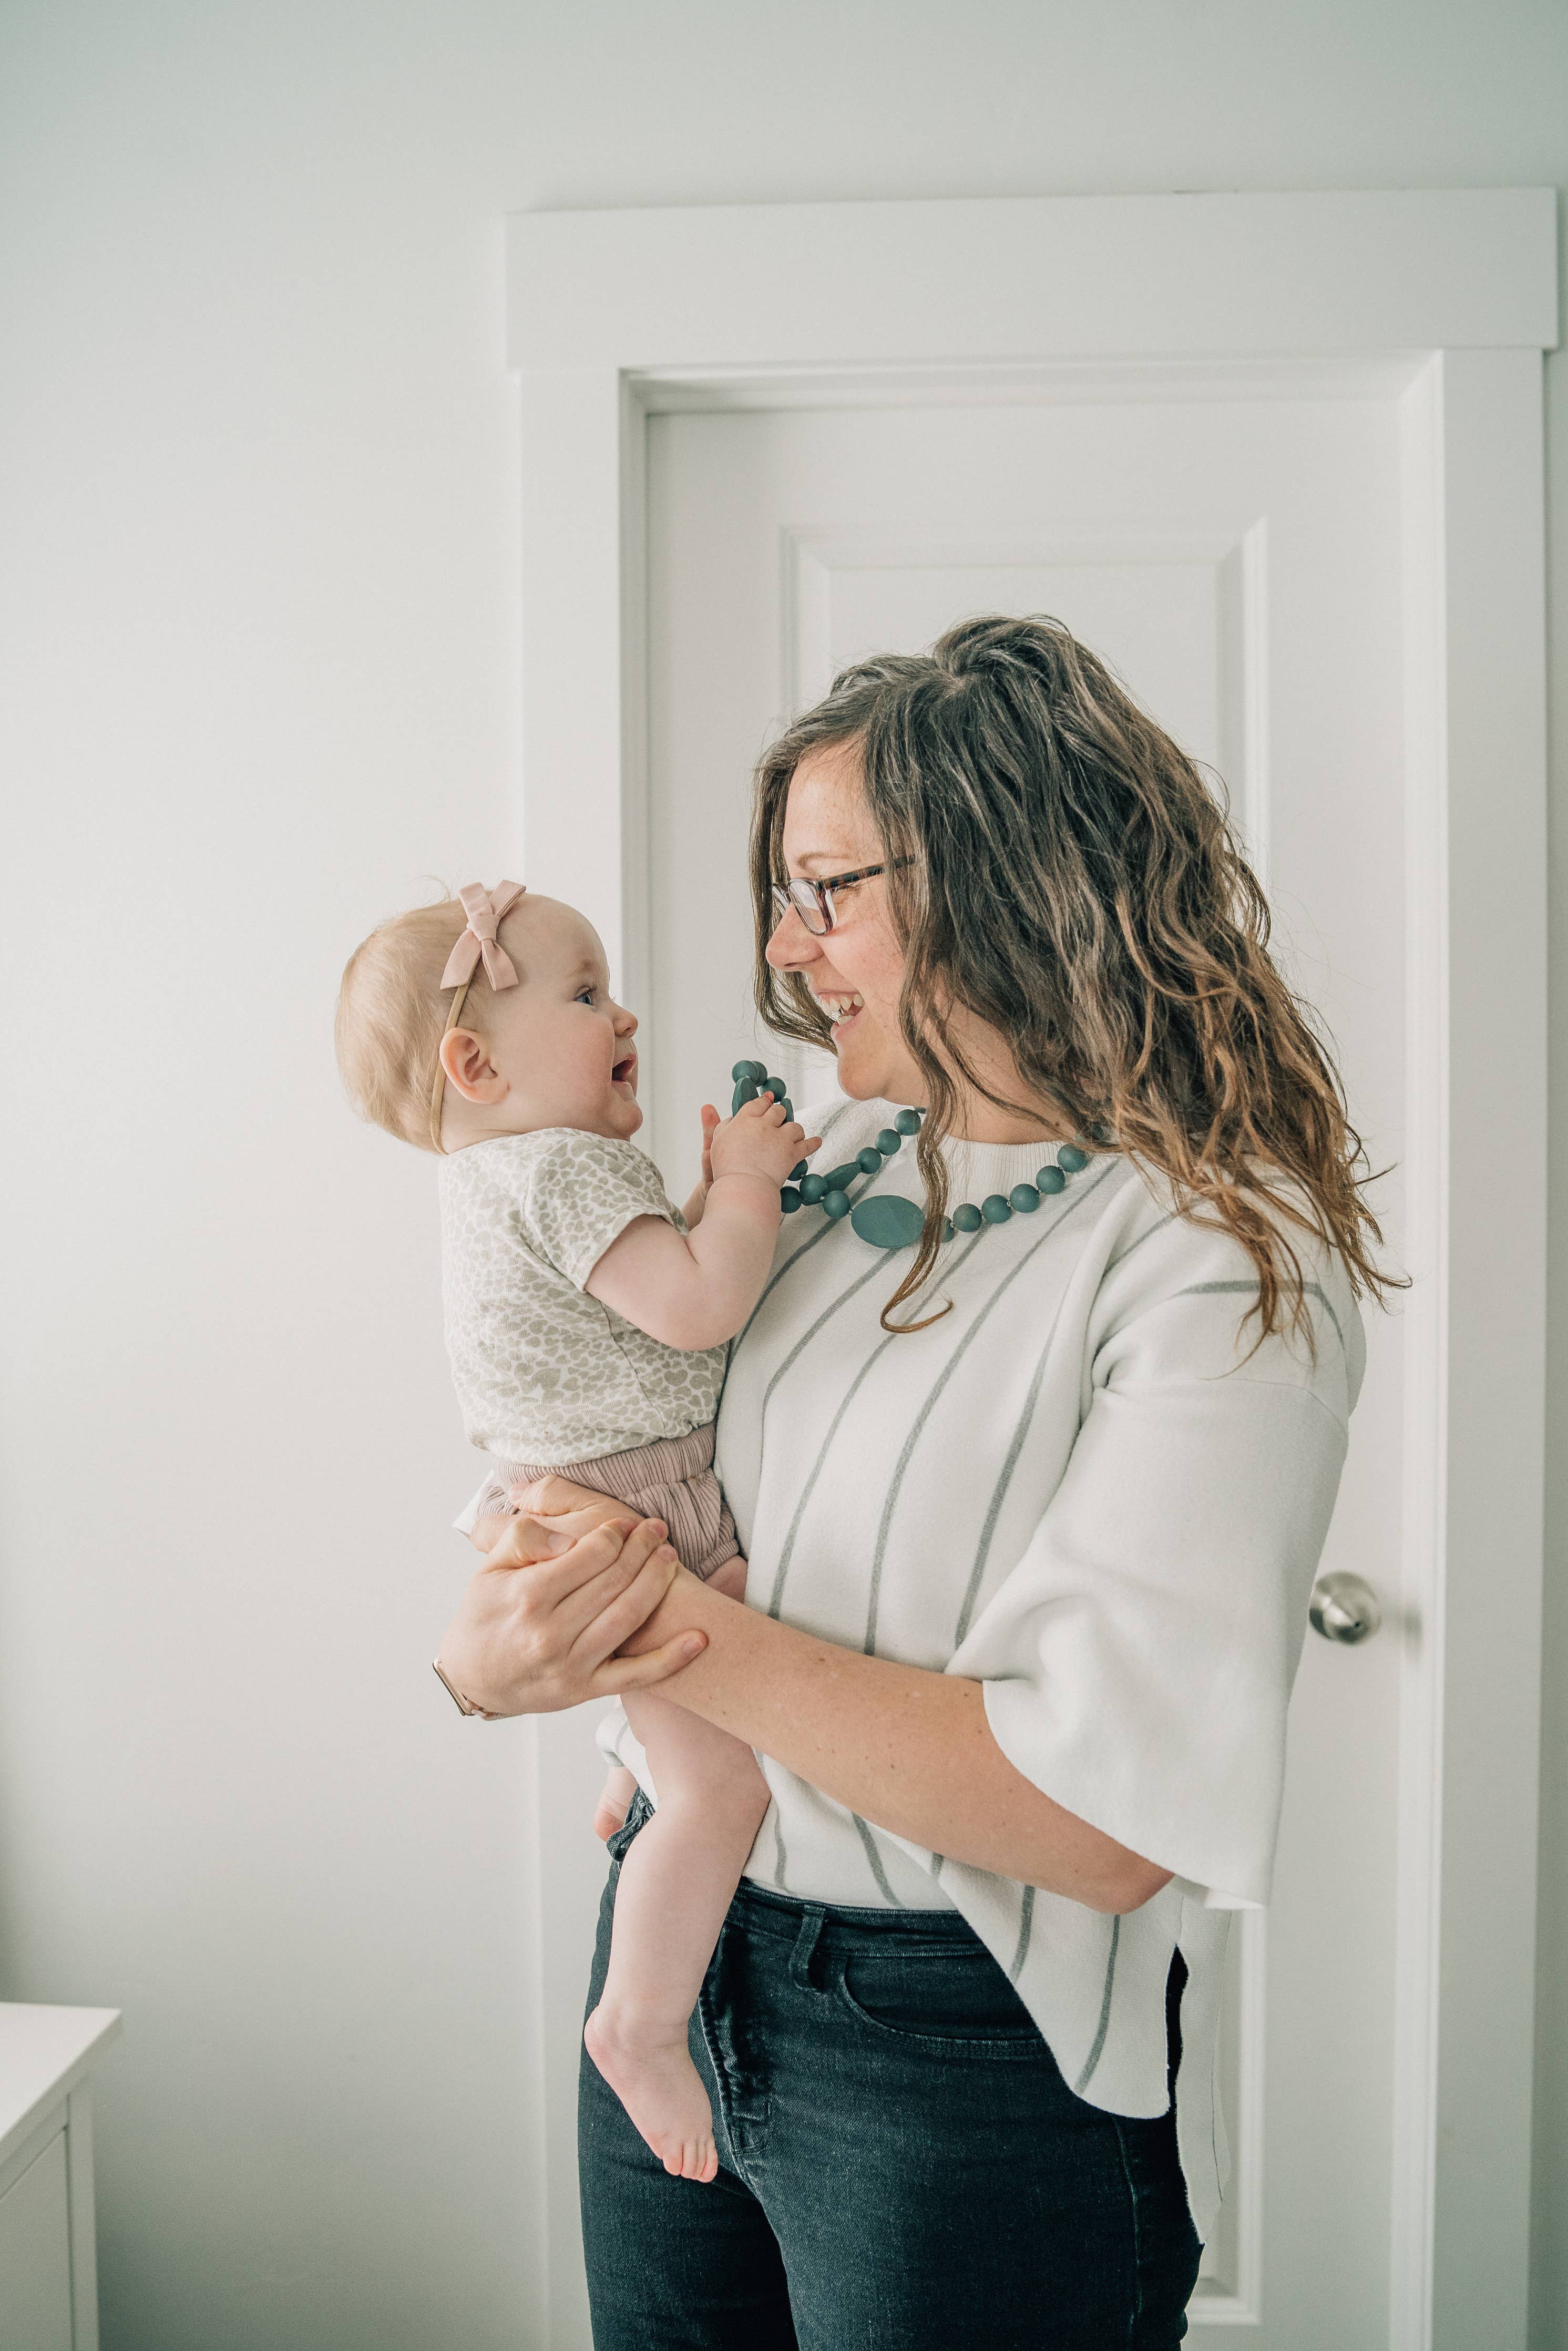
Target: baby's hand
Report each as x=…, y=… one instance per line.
x=759, y=1141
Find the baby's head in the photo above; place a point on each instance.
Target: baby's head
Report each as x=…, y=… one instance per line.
x=552, y=1050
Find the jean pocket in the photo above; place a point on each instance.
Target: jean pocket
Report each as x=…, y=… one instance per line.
x=954, y=2000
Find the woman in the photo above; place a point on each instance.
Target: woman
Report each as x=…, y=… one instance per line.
x=1032, y=1516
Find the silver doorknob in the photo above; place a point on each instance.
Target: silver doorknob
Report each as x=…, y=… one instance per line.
x=1344, y=1608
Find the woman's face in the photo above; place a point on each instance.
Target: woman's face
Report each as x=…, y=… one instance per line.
x=856, y=970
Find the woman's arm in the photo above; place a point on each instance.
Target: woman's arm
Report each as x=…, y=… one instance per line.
x=906, y=1749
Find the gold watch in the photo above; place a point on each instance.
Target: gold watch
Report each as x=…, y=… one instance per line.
x=464, y=1705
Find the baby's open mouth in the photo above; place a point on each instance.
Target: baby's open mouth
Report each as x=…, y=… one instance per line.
x=624, y=1073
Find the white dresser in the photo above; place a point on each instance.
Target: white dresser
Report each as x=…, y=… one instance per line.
x=49, y=2265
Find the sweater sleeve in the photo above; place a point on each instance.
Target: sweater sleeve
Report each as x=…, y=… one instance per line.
x=1138, y=1661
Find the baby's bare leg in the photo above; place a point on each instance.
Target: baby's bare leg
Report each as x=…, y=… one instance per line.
x=620, y=1787
x=614, y=1800
x=677, y=1883
x=729, y=1579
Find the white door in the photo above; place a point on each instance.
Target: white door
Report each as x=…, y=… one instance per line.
x=1239, y=563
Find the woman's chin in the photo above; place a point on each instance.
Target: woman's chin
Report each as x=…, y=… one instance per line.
x=867, y=1076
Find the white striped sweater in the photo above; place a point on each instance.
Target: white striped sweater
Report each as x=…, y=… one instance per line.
x=1080, y=1488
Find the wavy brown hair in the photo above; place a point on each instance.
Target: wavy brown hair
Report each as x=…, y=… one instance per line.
x=1060, y=868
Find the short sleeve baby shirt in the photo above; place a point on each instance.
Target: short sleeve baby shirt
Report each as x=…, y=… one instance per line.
x=546, y=1374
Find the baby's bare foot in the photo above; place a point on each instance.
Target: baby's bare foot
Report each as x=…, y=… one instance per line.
x=660, y=2089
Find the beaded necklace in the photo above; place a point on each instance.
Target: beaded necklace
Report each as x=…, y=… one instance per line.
x=886, y=1219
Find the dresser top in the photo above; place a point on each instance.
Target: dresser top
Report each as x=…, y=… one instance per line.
x=44, y=2053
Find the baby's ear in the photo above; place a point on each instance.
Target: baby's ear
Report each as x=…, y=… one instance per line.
x=466, y=1064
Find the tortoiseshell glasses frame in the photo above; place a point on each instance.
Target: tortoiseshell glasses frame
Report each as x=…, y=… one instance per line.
x=813, y=901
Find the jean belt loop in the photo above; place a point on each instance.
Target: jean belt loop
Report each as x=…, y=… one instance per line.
x=811, y=1922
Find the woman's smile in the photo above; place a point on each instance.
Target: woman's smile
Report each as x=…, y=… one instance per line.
x=844, y=1008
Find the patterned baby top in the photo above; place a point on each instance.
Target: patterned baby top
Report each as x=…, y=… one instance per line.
x=544, y=1372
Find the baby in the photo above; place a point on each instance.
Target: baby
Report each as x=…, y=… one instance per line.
x=587, y=1318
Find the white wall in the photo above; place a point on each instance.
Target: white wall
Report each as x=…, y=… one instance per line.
x=259, y=644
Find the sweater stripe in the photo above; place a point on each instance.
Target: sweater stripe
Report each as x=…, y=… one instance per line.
x=1250, y=1289
x=877, y=1870
x=804, y=1341
x=1026, y=1927
x=1015, y=1448
x=1095, y=2054
x=1146, y=1235
x=788, y=1552
x=906, y=1453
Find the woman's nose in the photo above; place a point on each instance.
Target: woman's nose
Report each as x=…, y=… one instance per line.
x=792, y=944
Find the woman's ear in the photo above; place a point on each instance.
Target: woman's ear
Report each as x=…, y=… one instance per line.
x=465, y=1060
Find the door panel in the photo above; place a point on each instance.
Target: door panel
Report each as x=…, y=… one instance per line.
x=1237, y=562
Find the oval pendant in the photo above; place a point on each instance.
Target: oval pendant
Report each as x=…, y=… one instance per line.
x=888, y=1221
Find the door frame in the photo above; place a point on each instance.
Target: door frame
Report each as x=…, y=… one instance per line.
x=1443, y=302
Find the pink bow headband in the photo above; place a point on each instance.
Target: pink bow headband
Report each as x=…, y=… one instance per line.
x=486, y=910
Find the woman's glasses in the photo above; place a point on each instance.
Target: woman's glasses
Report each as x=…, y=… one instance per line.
x=813, y=901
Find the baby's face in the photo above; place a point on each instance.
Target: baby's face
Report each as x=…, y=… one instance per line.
x=559, y=1039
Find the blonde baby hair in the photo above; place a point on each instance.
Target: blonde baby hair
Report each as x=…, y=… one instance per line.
x=393, y=1010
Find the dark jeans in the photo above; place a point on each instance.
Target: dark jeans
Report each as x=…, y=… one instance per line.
x=901, y=2162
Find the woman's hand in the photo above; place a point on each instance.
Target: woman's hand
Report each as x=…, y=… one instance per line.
x=541, y=1621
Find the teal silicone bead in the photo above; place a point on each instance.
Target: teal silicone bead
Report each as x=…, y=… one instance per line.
x=838, y=1179
x=836, y=1205
x=946, y=1229
x=908, y=1122
x=966, y=1219
x=789, y=1108
x=887, y=1221
x=887, y=1143
x=869, y=1160
x=788, y=1199
x=1024, y=1199
x=743, y=1070
x=1072, y=1158
x=798, y=1170
x=1051, y=1179
x=775, y=1086
x=745, y=1092
x=813, y=1189
x=995, y=1209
